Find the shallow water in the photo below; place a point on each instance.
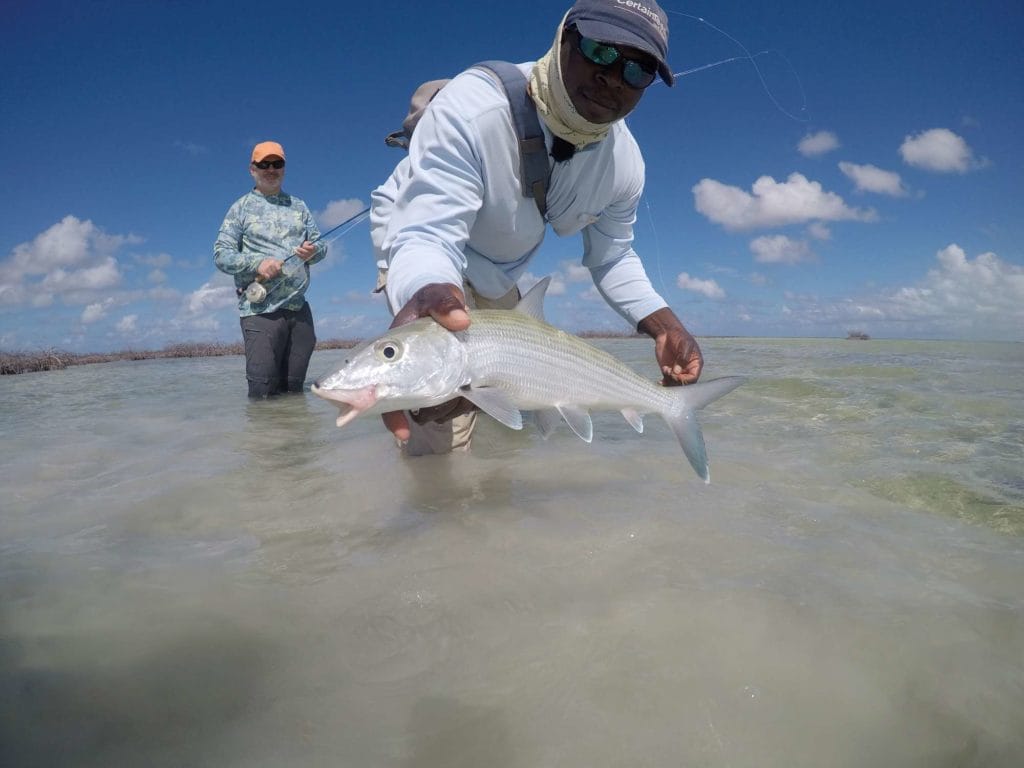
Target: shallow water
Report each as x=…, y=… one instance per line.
x=190, y=579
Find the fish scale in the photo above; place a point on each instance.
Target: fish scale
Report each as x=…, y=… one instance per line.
x=520, y=354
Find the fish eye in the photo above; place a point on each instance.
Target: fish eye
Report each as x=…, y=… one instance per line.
x=389, y=351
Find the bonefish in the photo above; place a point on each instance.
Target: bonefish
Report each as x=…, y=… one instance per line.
x=508, y=362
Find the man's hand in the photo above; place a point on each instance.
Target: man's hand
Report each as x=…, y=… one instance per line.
x=447, y=305
x=268, y=269
x=306, y=251
x=677, y=352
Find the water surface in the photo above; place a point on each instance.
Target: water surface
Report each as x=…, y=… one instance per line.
x=187, y=578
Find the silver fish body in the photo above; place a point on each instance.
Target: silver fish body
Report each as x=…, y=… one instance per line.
x=507, y=362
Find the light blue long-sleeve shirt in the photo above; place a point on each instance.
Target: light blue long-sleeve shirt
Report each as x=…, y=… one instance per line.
x=453, y=209
x=258, y=227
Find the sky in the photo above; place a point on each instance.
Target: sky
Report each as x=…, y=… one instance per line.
x=820, y=168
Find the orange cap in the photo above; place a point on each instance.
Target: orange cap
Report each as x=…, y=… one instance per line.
x=266, y=148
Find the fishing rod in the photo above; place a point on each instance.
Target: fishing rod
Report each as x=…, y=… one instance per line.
x=257, y=292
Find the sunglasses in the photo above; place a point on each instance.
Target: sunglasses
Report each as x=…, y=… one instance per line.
x=635, y=74
x=264, y=164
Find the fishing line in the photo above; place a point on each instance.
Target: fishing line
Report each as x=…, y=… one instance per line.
x=257, y=291
x=752, y=58
x=657, y=246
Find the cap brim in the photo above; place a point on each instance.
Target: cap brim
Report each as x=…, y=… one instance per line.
x=609, y=33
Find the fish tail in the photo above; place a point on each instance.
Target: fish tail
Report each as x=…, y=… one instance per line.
x=683, y=418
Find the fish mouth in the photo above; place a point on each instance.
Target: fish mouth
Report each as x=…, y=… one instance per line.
x=350, y=402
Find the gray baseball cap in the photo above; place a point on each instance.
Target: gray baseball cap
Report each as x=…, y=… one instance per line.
x=639, y=24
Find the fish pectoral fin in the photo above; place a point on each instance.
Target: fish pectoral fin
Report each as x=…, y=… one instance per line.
x=578, y=420
x=495, y=403
x=546, y=421
x=636, y=421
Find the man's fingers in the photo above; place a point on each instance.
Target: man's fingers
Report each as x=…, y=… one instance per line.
x=454, y=320
x=396, y=424
x=442, y=301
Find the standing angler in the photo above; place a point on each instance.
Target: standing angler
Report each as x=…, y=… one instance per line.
x=452, y=229
x=262, y=230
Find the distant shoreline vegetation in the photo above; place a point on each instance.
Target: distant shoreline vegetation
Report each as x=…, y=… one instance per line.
x=55, y=359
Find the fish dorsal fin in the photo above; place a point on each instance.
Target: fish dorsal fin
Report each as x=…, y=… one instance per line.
x=578, y=420
x=636, y=421
x=495, y=403
x=546, y=421
x=532, y=304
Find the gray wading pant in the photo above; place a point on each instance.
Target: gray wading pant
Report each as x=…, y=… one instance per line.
x=456, y=434
x=278, y=346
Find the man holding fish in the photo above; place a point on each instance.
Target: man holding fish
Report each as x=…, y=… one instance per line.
x=453, y=231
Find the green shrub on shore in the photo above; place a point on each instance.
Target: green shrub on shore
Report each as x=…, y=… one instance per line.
x=55, y=360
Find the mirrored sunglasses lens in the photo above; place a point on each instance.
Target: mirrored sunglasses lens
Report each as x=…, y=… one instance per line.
x=599, y=53
x=636, y=76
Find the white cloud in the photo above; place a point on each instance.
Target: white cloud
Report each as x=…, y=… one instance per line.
x=815, y=144
x=939, y=149
x=980, y=298
x=819, y=231
x=869, y=178
x=337, y=211
x=96, y=311
x=773, y=204
x=128, y=324
x=71, y=260
x=575, y=272
x=77, y=284
x=709, y=288
x=157, y=260
x=209, y=297
x=555, y=288
x=779, y=249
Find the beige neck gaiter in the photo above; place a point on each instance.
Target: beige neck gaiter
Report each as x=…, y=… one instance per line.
x=553, y=102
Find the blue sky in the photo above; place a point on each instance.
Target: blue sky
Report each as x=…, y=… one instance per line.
x=866, y=175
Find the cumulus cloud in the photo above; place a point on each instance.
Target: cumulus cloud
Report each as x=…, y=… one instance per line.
x=210, y=297
x=979, y=298
x=869, y=178
x=128, y=324
x=819, y=231
x=555, y=288
x=575, y=272
x=337, y=211
x=71, y=260
x=709, y=288
x=97, y=311
x=779, y=249
x=773, y=204
x=940, y=150
x=816, y=144
x=157, y=260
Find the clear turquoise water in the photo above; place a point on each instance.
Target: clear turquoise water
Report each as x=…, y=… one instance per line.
x=190, y=579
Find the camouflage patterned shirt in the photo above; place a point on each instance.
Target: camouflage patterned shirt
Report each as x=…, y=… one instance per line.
x=259, y=227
